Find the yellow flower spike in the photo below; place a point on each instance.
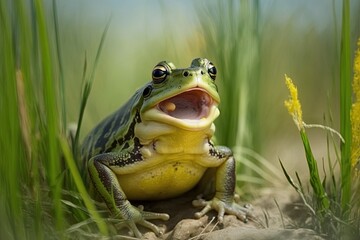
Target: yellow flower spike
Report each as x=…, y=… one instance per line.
x=356, y=80
x=293, y=104
x=355, y=113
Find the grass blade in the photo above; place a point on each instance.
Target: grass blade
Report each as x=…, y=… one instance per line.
x=315, y=180
x=345, y=106
x=51, y=109
x=60, y=65
x=87, y=88
x=11, y=213
x=69, y=159
x=297, y=188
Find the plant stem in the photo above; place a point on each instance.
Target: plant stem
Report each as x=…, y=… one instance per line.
x=51, y=115
x=323, y=201
x=345, y=106
x=70, y=161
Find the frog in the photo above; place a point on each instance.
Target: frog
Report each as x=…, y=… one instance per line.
x=159, y=145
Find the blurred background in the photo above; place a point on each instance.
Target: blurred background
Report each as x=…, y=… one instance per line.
x=269, y=38
x=253, y=44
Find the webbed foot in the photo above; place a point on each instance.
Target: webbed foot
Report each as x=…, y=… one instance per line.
x=134, y=216
x=228, y=206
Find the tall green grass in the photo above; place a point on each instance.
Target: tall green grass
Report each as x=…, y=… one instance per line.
x=332, y=203
x=51, y=114
x=10, y=172
x=345, y=106
x=34, y=145
x=23, y=140
x=230, y=31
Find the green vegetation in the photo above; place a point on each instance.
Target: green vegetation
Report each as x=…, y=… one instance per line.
x=333, y=201
x=231, y=30
x=345, y=105
x=42, y=194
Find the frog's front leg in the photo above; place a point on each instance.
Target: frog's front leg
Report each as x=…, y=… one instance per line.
x=225, y=181
x=107, y=185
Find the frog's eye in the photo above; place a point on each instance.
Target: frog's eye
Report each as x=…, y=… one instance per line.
x=147, y=91
x=159, y=74
x=212, y=70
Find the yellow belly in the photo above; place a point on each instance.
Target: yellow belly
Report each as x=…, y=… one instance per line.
x=161, y=182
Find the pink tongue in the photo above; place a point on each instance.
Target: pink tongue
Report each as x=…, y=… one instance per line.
x=188, y=105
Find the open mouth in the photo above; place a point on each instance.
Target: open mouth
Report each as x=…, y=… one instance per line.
x=192, y=104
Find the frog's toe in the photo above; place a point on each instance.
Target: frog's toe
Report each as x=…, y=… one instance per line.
x=204, y=204
x=137, y=216
x=155, y=216
x=223, y=207
x=240, y=212
x=152, y=227
x=131, y=226
x=152, y=216
x=133, y=229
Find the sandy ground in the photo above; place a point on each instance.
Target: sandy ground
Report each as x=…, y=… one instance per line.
x=276, y=212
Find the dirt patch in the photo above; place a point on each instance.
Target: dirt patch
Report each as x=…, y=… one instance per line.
x=275, y=210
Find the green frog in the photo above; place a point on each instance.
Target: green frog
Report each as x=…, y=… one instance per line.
x=158, y=146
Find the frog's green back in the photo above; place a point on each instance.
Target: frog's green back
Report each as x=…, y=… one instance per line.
x=115, y=130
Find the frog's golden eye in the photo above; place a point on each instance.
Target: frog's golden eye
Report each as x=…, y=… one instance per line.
x=159, y=74
x=212, y=70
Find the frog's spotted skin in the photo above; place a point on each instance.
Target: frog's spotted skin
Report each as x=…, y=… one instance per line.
x=158, y=145
x=104, y=137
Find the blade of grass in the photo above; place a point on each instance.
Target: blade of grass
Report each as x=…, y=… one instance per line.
x=315, y=180
x=51, y=108
x=345, y=106
x=11, y=213
x=297, y=188
x=69, y=159
x=60, y=65
x=281, y=213
x=299, y=182
x=87, y=88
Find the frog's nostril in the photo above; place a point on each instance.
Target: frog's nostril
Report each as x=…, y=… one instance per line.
x=185, y=73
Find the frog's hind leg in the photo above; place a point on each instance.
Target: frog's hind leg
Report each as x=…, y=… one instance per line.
x=108, y=187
